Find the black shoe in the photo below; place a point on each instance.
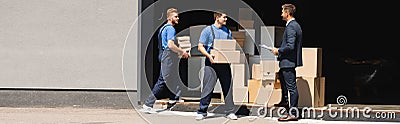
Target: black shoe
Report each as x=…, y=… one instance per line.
x=170, y=105
x=282, y=104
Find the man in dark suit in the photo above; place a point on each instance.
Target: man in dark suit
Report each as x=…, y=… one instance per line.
x=289, y=57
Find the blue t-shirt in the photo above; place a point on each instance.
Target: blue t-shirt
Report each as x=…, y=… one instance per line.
x=206, y=36
x=168, y=33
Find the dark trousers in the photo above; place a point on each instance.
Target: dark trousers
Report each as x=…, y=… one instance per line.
x=212, y=72
x=168, y=84
x=287, y=77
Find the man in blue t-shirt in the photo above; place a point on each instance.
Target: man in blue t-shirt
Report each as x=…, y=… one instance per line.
x=169, y=83
x=213, y=71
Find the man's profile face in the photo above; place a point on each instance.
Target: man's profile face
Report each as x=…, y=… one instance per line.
x=174, y=18
x=284, y=15
x=222, y=19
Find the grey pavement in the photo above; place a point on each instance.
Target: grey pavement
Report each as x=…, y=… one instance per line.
x=99, y=107
x=71, y=115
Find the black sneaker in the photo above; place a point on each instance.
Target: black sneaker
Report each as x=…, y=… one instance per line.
x=170, y=105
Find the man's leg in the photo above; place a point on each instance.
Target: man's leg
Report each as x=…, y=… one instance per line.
x=158, y=87
x=225, y=77
x=209, y=81
x=290, y=79
x=157, y=91
x=170, y=67
x=284, y=92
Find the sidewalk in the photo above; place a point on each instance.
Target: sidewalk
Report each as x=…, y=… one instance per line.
x=9, y=115
x=97, y=107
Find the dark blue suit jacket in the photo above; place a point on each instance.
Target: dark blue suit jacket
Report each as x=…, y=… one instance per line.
x=290, y=51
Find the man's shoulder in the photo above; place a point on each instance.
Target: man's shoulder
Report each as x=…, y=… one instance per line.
x=207, y=28
x=165, y=27
x=294, y=23
x=169, y=27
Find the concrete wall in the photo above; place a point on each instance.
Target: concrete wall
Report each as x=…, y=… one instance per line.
x=64, y=44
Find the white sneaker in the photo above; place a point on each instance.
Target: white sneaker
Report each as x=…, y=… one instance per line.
x=148, y=109
x=200, y=117
x=232, y=116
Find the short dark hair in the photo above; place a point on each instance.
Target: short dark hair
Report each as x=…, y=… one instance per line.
x=290, y=8
x=218, y=13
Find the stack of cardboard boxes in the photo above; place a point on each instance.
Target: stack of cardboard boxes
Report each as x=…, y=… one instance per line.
x=264, y=87
x=246, y=26
x=246, y=18
x=261, y=84
x=239, y=36
x=184, y=42
x=310, y=82
x=225, y=51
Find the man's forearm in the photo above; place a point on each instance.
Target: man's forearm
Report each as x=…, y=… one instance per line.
x=202, y=50
x=173, y=47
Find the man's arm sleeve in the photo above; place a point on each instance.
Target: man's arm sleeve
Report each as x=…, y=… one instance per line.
x=204, y=36
x=170, y=33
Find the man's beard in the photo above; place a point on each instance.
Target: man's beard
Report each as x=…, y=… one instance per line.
x=175, y=22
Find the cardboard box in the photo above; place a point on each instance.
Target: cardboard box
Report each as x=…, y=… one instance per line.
x=240, y=42
x=239, y=78
x=185, y=42
x=311, y=91
x=268, y=69
x=225, y=44
x=243, y=59
x=277, y=84
x=187, y=49
x=260, y=91
x=245, y=14
x=319, y=92
x=238, y=75
x=226, y=56
x=183, y=38
x=249, y=41
x=275, y=97
x=252, y=59
x=270, y=36
x=256, y=72
x=246, y=24
x=238, y=34
x=253, y=86
x=312, y=63
x=240, y=95
x=185, y=45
